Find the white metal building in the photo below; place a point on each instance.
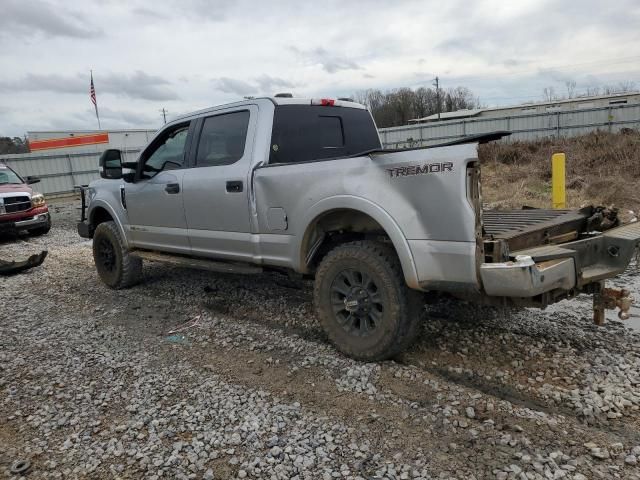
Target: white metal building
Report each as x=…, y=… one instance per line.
x=573, y=104
x=85, y=141
x=565, y=118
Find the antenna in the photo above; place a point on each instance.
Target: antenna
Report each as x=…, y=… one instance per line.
x=436, y=84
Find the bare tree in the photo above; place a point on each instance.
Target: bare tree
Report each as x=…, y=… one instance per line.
x=549, y=94
x=627, y=86
x=571, y=88
x=397, y=107
x=593, y=91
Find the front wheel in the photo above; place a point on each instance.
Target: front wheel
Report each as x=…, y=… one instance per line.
x=117, y=268
x=363, y=303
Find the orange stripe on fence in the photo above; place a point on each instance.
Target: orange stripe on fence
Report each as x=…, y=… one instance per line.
x=76, y=141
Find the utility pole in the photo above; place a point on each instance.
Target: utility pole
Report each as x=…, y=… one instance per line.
x=164, y=114
x=436, y=84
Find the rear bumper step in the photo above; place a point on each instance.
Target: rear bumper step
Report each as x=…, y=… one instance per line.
x=571, y=265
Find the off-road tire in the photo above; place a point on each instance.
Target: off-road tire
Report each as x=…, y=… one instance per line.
x=402, y=308
x=116, y=267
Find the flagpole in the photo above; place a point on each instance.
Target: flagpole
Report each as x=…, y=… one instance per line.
x=94, y=100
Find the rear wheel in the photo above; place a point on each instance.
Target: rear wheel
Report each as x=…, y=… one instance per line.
x=116, y=267
x=363, y=303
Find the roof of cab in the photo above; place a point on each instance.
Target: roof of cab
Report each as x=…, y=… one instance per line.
x=273, y=100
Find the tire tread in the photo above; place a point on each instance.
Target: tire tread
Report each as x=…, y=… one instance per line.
x=131, y=266
x=410, y=301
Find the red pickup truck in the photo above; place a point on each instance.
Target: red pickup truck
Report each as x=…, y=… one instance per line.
x=20, y=207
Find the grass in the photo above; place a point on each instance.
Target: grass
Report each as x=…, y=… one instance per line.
x=602, y=169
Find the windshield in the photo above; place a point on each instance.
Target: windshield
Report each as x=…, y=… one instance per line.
x=9, y=176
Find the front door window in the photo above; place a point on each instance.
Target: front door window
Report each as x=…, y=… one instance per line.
x=168, y=153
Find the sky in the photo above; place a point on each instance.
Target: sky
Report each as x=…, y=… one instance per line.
x=184, y=55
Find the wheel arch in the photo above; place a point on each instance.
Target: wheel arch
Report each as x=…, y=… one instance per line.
x=363, y=213
x=103, y=212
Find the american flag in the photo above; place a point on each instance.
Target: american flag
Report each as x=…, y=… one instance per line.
x=92, y=93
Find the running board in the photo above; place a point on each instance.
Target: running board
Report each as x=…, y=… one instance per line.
x=197, y=263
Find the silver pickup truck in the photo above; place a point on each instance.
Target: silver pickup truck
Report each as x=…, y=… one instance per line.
x=304, y=186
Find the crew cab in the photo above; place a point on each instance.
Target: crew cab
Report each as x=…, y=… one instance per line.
x=304, y=186
x=21, y=209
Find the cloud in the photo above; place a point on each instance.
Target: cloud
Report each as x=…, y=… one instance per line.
x=268, y=83
x=47, y=83
x=511, y=62
x=147, y=13
x=23, y=18
x=204, y=10
x=124, y=118
x=264, y=84
x=139, y=85
x=329, y=62
x=232, y=85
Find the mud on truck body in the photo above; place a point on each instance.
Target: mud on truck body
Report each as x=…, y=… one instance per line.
x=304, y=186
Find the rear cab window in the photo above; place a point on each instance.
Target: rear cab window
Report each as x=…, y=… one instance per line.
x=303, y=133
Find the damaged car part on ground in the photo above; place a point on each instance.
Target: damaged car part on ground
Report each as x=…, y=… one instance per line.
x=16, y=266
x=237, y=187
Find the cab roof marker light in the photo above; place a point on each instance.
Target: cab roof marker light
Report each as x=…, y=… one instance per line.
x=325, y=102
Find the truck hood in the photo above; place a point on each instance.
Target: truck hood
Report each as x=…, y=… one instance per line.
x=12, y=189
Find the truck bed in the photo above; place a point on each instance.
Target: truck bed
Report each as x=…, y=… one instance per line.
x=512, y=230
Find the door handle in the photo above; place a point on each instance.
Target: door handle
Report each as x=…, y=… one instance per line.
x=234, y=186
x=172, y=188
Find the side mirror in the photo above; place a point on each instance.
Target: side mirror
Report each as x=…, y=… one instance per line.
x=111, y=164
x=129, y=171
x=31, y=180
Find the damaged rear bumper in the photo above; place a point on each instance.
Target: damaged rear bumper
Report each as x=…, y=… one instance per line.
x=564, y=268
x=526, y=278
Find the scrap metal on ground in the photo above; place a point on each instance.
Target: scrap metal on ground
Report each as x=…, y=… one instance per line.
x=13, y=267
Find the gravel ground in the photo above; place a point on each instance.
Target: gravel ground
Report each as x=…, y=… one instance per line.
x=200, y=375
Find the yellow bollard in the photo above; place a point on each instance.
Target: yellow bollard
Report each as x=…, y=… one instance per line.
x=558, y=192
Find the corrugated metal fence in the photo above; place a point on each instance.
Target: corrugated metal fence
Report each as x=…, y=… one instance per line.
x=60, y=172
x=568, y=123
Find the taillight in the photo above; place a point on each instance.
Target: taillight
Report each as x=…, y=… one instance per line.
x=325, y=102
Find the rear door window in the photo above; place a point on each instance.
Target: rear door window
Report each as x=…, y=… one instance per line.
x=222, y=139
x=303, y=133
